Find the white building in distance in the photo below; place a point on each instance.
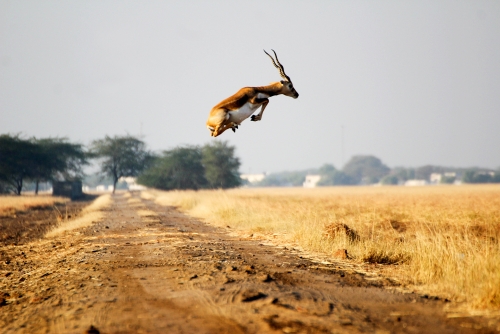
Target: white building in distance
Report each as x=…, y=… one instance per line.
x=311, y=181
x=253, y=178
x=414, y=183
x=132, y=183
x=435, y=178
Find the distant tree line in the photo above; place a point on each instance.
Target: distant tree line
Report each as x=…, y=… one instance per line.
x=213, y=165
x=449, y=175
x=359, y=170
x=285, y=179
x=38, y=160
x=367, y=169
x=194, y=167
x=32, y=160
x=481, y=176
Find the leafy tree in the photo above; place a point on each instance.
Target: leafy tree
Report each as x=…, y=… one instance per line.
x=180, y=168
x=482, y=178
x=38, y=160
x=333, y=177
x=390, y=180
x=4, y=187
x=121, y=156
x=337, y=178
x=59, y=159
x=424, y=172
x=365, y=169
x=479, y=175
x=327, y=169
x=193, y=167
x=18, y=159
x=476, y=175
x=468, y=176
x=496, y=177
x=448, y=179
x=221, y=165
x=403, y=174
x=284, y=179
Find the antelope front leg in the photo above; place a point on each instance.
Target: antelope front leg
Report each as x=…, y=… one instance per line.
x=258, y=117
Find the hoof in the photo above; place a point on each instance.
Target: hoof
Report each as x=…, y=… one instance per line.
x=254, y=118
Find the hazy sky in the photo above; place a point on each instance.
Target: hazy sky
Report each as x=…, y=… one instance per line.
x=411, y=82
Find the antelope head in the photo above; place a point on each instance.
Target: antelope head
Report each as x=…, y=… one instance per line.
x=287, y=88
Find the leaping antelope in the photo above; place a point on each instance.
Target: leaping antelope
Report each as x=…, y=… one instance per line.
x=229, y=113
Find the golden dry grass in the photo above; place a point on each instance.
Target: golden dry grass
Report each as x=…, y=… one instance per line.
x=9, y=205
x=443, y=239
x=89, y=215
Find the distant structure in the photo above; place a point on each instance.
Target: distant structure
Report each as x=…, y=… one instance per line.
x=435, y=178
x=71, y=189
x=102, y=188
x=311, y=181
x=253, y=178
x=132, y=183
x=415, y=183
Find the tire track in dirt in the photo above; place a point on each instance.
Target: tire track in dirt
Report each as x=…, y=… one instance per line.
x=150, y=269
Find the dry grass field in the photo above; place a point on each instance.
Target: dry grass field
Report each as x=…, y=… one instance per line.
x=9, y=205
x=90, y=214
x=442, y=240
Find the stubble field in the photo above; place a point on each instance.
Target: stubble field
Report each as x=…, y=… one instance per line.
x=441, y=240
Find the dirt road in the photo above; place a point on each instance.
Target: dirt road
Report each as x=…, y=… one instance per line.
x=150, y=269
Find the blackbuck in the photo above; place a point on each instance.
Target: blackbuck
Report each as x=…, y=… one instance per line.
x=229, y=113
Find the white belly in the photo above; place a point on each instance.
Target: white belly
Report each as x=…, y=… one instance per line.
x=239, y=115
